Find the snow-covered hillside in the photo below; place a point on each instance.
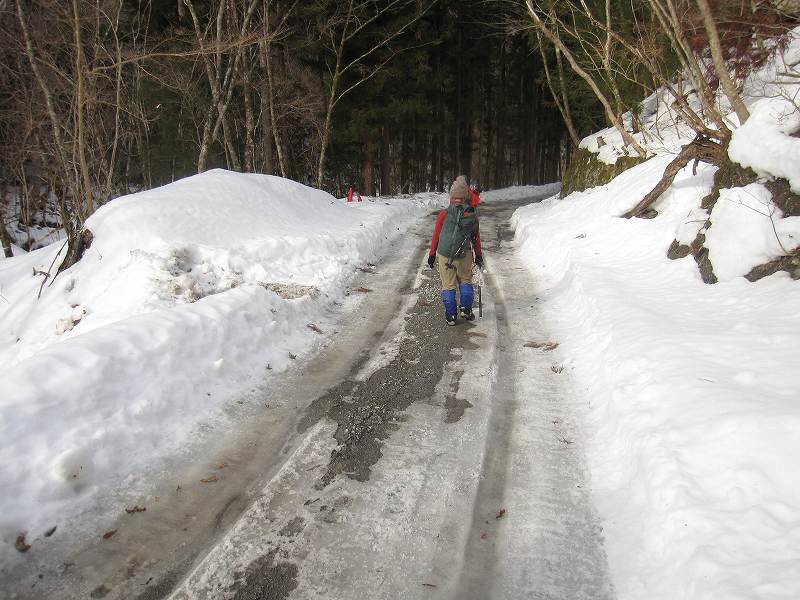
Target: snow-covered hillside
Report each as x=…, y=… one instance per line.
x=692, y=390
x=187, y=296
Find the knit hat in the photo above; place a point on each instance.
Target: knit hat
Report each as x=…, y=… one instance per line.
x=459, y=190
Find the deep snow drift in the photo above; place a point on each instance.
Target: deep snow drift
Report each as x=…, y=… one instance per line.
x=693, y=390
x=189, y=294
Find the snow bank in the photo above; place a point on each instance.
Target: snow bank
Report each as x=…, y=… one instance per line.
x=748, y=230
x=692, y=389
x=764, y=142
x=521, y=191
x=187, y=294
x=692, y=392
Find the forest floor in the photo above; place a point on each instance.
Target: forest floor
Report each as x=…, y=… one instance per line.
x=406, y=459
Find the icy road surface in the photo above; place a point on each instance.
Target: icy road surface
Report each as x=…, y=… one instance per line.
x=407, y=460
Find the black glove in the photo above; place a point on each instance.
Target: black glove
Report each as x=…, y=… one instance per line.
x=431, y=260
x=479, y=261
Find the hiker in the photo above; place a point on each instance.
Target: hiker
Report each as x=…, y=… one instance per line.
x=455, y=240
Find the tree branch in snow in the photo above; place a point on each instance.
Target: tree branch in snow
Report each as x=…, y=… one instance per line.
x=700, y=148
x=537, y=15
x=719, y=62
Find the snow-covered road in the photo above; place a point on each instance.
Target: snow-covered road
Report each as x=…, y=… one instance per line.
x=405, y=460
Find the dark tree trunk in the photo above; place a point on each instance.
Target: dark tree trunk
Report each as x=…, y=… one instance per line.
x=459, y=163
x=386, y=185
x=499, y=147
x=5, y=237
x=77, y=244
x=523, y=145
x=436, y=132
x=440, y=141
x=368, y=170
x=404, y=160
x=533, y=154
x=268, y=161
x=486, y=131
x=434, y=159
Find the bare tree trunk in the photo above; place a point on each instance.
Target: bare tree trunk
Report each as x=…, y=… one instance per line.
x=573, y=133
x=230, y=147
x=612, y=116
x=500, y=126
x=55, y=123
x=86, y=203
x=266, y=64
x=271, y=102
x=368, y=170
x=213, y=75
x=670, y=21
x=267, y=161
x=5, y=237
x=725, y=81
x=111, y=167
x=352, y=24
x=337, y=71
x=483, y=132
x=404, y=158
x=559, y=98
x=386, y=185
x=667, y=18
x=459, y=104
x=536, y=134
x=606, y=58
x=249, y=118
x=221, y=85
x=433, y=158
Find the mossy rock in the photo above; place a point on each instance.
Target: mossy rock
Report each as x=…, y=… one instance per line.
x=586, y=171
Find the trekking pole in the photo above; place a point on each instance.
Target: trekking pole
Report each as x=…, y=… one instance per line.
x=480, y=286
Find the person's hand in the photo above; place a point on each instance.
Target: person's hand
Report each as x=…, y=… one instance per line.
x=479, y=261
x=431, y=260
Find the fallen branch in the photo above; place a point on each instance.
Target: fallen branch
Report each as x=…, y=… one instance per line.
x=47, y=275
x=701, y=148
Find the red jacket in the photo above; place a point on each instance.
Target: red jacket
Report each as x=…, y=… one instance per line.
x=437, y=230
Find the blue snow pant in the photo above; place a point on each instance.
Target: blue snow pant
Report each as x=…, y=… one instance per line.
x=458, y=276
